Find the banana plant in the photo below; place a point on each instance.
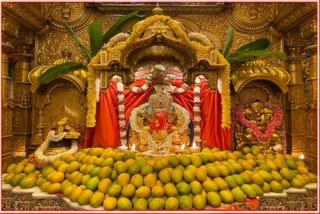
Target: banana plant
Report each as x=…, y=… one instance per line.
x=257, y=48
x=97, y=39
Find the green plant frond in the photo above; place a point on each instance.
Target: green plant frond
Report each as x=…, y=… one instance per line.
x=228, y=43
x=114, y=28
x=259, y=44
x=78, y=41
x=95, y=35
x=244, y=56
x=53, y=72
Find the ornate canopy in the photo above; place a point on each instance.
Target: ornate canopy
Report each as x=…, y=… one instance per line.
x=156, y=38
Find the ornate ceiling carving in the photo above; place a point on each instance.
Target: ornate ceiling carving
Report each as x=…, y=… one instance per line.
x=172, y=8
x=30, y=18
x=295, y=16
x=250, y=18
x=74, y=14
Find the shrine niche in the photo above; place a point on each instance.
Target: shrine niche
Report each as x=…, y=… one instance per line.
x=261, y=124
x=258, y=111
x=158, y=73
x=64, y=97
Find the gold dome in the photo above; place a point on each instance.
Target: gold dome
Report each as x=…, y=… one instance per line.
x=257, y=70
x=78, y=77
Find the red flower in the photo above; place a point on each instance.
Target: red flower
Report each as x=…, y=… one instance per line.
x=270, y=129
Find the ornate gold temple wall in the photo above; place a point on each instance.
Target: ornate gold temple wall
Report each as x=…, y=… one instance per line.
x=34, y=35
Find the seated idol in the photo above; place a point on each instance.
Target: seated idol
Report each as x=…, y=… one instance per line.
x=160, y=124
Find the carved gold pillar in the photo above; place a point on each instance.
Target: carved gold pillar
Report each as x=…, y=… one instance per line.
x=6, y=93
x=296, y=125
x=312, y=95
x=309, y=33
x=21, y=123
x=9, y=32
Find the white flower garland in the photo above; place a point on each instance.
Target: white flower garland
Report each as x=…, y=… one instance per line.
x=121, y=110
x=197, y=109
x=147, y=84
x=98, y=86
x=143, y=88
x=176, y=90
x=152, y=145
x=39, y=153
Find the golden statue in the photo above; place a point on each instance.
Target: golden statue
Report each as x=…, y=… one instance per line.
x=160, y=124
x=259, y=123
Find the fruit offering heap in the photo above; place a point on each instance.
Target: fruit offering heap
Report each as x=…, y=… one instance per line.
x=127, y=180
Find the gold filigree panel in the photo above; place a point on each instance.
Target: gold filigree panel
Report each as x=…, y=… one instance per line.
x=19, y=143
x=170, y=9
x=6, y=122
x=298, y=119
x=214, y=26
x=64, y=100
x=12, y=147
x=26, y=16
x=9, y=27
x=311, y=123
x=51, y=44
x=254, y=90
x=6, y=145
x=309, y=27
x=73, y=13
x=254, y=14
x=250, y=17
x=21, y=121
x=22, y=95
x=5, y=91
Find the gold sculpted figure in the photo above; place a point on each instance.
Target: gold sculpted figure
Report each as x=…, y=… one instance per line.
x=260, y=116
x=159, y=124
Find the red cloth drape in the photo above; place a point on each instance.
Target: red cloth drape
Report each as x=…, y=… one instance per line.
x=106, y=131
x=211, y=131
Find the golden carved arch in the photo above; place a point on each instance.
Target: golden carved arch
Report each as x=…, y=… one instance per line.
x=77, y=78
x=256, y=70
x=158, y=38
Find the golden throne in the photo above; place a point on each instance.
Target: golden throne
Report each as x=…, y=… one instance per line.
x=160, y=124
x=158, y=40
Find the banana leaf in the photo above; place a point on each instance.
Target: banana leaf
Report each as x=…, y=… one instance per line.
x=244, y=56
x=78, y=41
x=259, y=44
x=228, y=42
x=95, y=36
x=114, y=28
x=52, y=73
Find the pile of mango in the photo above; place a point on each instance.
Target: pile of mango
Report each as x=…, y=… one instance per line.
x=130, y=181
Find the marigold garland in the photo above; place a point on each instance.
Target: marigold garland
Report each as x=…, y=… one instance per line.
x=182, y=37
x=91, y=95
x=175, y=27
x=225, y=94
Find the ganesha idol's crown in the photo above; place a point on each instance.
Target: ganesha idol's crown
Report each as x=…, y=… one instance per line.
x=160, y=102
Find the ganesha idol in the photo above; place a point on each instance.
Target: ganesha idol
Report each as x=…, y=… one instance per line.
x=159, y=125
